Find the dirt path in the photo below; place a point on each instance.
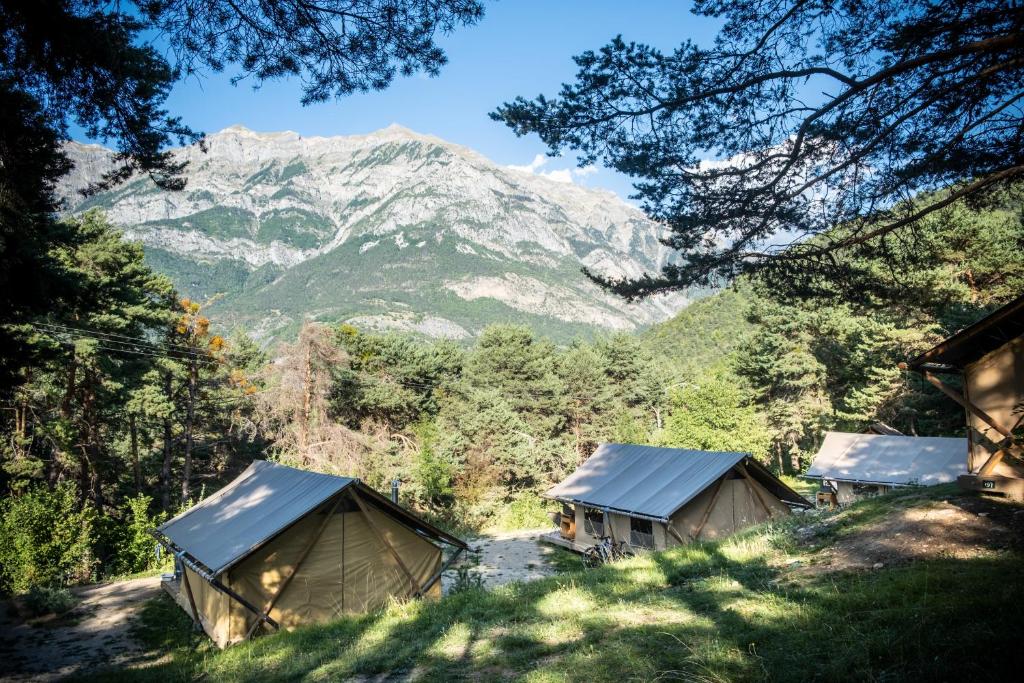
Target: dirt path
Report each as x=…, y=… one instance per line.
x=94, y=633
x=506, y=557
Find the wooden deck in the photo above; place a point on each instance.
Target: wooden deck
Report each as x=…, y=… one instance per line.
x=556, y=538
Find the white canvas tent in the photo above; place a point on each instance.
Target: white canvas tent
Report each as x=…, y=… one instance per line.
x=876, y=463
x=654, y=498
x=281, y=547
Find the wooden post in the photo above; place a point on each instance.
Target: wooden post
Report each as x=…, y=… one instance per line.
x=991, y=463
x=609, y=530
x=707, y=510
x=417, y=590
x=262, y=616
x=968, y=406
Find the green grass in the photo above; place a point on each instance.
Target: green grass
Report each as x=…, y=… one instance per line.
x=736, y=610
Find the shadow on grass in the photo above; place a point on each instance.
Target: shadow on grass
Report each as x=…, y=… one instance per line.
x=714, y=611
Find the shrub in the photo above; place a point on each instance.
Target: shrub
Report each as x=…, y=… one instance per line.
x=42, y=600
x=133, y=546
x=526, y=511
x=45, y=539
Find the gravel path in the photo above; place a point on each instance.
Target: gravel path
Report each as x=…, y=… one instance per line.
x=506, y=557
x=95, y=633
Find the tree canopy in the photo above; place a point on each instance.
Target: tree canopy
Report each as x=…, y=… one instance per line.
x=823, y=121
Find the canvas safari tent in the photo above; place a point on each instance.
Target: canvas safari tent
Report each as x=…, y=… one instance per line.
x=280, y=547
x=852, y=465
x=987, y=359
x=654, y=498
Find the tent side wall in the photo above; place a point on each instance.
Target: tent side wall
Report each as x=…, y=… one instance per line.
x=213, y=606
x=995, y=383
x=617, y=526
x=348, y=570
x=736, y=507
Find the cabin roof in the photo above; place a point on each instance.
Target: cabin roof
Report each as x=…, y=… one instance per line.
x=975, y=341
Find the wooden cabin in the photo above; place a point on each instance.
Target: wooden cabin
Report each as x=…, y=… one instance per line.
x=988, y=359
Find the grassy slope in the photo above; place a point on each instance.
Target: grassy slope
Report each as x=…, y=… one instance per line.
x=741, y=609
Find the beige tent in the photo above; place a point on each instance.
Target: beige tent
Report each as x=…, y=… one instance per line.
x=855, y=465
x=653, y=498
x=280, y=547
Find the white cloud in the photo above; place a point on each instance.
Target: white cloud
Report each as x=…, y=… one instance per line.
x=531, y=167
x=560, y=175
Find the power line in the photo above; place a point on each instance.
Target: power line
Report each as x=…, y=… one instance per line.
x=136, y=347
x=138, y=340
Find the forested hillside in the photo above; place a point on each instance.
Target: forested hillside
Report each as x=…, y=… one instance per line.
x=132, y=408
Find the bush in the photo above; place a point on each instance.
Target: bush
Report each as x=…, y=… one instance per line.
x=526, y=511
x=45, y=540
x=42, y=600
x=134, y=548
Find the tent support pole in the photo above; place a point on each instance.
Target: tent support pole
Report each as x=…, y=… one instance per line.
x=436, y=577
x=191, y=600
x=707, y=510
x=262, y=616
x=675, y=534
x=380, y=537
x=748, y=480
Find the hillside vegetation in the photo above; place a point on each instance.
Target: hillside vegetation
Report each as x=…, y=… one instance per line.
x=767, y=604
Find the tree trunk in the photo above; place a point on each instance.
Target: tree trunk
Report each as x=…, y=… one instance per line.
x=69, y=390
x=190, y=416
x=165, y=470
x=134, y=433
x=307, y=400
x=92, y=449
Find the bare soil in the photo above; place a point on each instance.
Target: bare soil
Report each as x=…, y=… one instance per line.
x=95, y=633
x=506, y=557
x=957, y=528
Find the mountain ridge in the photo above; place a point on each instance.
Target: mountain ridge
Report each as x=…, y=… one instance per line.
x=392, y=229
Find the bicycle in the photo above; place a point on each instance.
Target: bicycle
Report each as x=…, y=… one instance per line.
x=605, y=551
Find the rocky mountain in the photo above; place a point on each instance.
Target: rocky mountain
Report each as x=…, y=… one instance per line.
x=391, y=230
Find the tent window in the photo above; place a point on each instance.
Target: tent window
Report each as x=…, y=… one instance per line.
x=641, y=533
x=593, y=521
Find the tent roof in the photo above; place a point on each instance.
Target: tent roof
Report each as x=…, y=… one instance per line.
x=653, y=482
x=259, y=504
x=884, y=459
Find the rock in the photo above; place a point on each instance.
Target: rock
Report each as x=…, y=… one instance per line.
x=878, y=565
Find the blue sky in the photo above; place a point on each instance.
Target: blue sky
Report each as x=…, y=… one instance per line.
x=521, y=47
